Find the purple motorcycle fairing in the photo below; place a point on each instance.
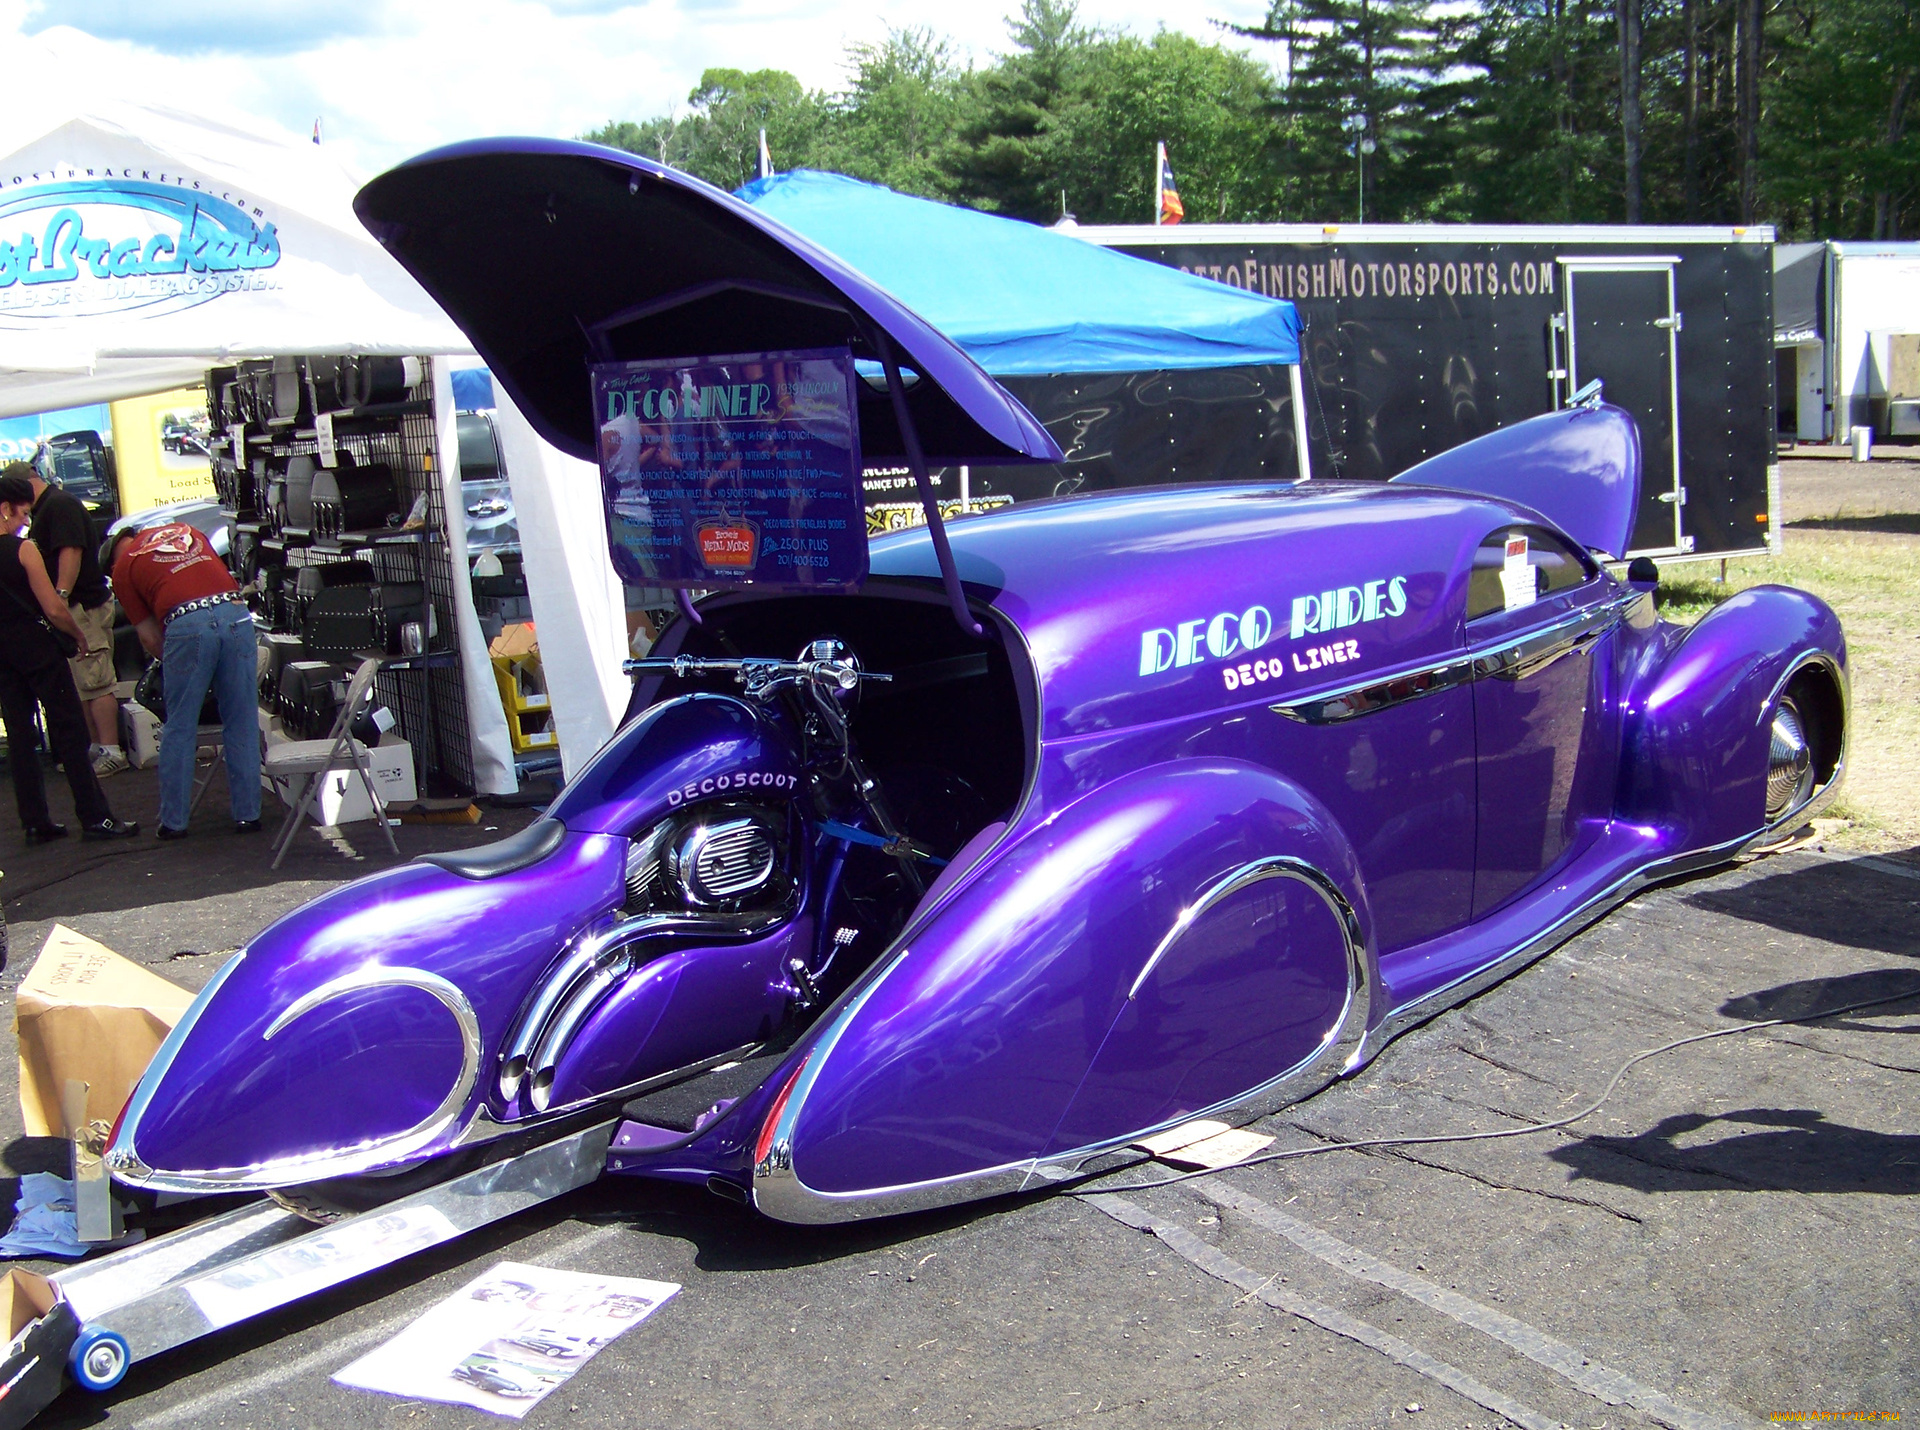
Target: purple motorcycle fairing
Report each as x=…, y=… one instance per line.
x=364, y=1030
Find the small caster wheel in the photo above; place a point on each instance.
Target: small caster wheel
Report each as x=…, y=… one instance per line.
x=99, y=1358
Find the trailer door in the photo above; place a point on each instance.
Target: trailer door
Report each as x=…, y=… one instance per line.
x=1621, y=327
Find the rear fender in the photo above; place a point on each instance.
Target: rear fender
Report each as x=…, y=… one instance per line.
x=957, y=1064
x=1698, y=714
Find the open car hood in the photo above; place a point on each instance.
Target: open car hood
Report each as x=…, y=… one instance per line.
x=552, y=255
x=1579, y=468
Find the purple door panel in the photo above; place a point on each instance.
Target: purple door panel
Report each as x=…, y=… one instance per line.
x=1402, y=779
x=1539, y=731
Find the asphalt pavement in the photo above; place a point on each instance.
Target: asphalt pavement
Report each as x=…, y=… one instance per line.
x=1730, y=1238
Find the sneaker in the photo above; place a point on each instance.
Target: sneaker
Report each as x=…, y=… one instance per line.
x=246, y=826
x=108, y=762
x=110, y=829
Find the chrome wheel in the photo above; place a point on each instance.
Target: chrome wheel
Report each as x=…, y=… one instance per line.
x=1789, y=762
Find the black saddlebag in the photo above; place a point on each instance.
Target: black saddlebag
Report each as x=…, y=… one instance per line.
x=351, y=497
x=308, y=704
x=348, y=621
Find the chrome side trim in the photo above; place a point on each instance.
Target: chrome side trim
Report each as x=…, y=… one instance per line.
x=1364, y=699
x=484, y=1127
x=1522, y=656
x=559, y=1034
x=779, y=1192
x=121, y=1157
x=1278, y=866
x=1511, y=658
x=573, y=966
x=583, y=965
x=333, y=1161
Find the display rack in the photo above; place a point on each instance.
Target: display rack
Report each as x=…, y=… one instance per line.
x=423, y=688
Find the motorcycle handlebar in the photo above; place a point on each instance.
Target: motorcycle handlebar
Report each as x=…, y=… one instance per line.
x=755, y=670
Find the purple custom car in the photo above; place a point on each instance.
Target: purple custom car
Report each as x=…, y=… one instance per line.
x=1208, y=793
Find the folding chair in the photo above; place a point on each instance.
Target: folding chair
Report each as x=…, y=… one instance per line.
x=208, y=737
x=314, y=760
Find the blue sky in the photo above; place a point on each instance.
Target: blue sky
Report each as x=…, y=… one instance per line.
x=393, y=78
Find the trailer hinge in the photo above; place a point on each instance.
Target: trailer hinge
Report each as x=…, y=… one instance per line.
x=1558, y=374
x=1676, y=497
x=1676, y=322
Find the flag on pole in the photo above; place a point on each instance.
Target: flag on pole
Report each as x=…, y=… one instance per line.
x=766, y=158
x=1167, y=207
x=316, y=131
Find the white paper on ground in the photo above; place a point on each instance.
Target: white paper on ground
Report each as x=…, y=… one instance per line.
x=315, y=1262
x=508, y=1339
x=1185, y=1135
x=1224, y=1150
x=1517, y=581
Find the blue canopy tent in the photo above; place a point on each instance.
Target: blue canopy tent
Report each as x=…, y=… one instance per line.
x=1031, y=302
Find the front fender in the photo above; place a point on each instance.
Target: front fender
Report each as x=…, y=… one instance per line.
x=964, y=1056
x=1697, y=712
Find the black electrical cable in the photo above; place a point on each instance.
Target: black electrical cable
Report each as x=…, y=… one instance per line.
x=1568, y=1121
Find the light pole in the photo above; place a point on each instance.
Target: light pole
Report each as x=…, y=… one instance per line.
x=1356, y=125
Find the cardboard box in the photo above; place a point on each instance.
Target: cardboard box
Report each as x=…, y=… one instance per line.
x=86, y=1013
x=342, y=798
x=25, y=1296
x=142, y=727
x=143, y=734
x=517, y=639
x=44, y=1328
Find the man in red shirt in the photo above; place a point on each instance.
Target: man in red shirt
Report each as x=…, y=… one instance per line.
x=188, y=612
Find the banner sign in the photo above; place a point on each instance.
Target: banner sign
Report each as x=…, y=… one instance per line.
x=88, y=245
x=729, y=471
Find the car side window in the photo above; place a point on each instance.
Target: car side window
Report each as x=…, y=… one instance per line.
x=1555, y=564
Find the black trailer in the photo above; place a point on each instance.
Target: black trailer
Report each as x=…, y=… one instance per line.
x=1423, y=336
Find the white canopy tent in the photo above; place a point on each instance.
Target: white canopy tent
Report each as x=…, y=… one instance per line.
x=141, y=244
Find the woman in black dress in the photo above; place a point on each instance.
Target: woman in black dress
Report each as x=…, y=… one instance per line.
x=34, y=672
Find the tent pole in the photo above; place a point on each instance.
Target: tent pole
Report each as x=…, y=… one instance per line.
x=1300, y=417
x=917, y=464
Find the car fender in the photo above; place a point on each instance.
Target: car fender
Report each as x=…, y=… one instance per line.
x=1698, y=711
x=959, y=1060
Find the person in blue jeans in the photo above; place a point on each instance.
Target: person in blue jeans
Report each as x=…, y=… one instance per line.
x=187, y=610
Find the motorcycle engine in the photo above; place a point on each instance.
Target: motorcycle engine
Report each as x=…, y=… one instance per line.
x=722, y=857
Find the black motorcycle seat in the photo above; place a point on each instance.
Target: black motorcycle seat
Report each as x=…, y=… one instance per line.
x=503, y=856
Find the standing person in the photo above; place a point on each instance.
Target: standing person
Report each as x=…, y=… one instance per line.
x=63, y=531
x=187, y=611
x=32, y=673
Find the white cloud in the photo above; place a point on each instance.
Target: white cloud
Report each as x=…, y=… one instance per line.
x=430, y=72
